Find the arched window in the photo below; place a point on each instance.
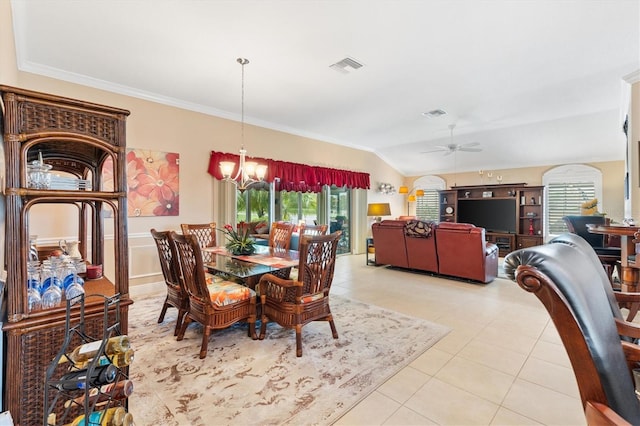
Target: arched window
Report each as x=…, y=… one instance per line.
x=567, y=187
x=428, y=206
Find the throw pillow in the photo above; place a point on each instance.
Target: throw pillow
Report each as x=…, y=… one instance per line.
x=262, y=228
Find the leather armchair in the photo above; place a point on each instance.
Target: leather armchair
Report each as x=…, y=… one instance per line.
x=390, y=244
x=571, y=285
x=421, y=245
x=464, y=252
x=609, y=256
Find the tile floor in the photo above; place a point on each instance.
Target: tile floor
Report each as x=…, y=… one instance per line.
x=502, y=363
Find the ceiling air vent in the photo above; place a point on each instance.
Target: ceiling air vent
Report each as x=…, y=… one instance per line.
x=434, y=113
x=341, y=66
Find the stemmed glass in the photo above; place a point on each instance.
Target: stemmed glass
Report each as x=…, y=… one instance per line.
x=34, y=299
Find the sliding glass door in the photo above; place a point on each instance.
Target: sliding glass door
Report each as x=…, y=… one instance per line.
x=339, y=216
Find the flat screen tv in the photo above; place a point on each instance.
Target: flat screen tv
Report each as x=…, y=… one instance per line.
x=492, y=214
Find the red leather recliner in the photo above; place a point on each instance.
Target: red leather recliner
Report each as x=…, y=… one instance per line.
x=389, y=242
x=421, y=246
x=464, y=252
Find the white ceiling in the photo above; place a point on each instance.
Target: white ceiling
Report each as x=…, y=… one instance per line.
x=535, y=82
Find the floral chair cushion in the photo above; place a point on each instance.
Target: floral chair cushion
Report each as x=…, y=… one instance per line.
x=224, y=293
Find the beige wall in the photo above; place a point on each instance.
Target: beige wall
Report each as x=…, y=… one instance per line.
x=193, y=135
x=634, y=140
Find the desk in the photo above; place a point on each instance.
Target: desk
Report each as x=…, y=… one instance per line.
x=630, y=279
x=249, y=268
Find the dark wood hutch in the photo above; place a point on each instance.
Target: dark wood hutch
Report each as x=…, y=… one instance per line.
x=76, y=138
x=529, y=201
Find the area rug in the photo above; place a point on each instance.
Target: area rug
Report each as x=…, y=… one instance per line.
x=244, y=381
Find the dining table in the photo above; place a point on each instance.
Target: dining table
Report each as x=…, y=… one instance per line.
x=630, y=267
x=248, y=268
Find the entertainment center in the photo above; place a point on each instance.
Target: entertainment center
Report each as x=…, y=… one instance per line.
x=510, y=213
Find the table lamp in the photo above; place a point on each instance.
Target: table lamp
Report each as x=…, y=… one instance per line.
x=378, y=209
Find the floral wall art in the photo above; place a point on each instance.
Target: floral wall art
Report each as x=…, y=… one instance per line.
x=153, y=182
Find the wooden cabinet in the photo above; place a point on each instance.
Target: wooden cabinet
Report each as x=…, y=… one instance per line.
x=448, y=206
x=505, y=242
x=530, y=216
x=522, y=211
x=77, y=139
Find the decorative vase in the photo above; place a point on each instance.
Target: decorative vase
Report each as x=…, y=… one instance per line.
x=242, y=250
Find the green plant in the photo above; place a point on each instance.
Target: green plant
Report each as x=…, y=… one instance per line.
x=238, y=242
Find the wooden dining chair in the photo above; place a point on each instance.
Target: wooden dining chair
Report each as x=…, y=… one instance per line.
x=280, y=235
x=312, y=229
x=205, y=233
x=295, y=303
x=216, y=305
x=176, y=296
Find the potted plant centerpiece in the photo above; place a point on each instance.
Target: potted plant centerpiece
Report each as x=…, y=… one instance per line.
x=238, y=243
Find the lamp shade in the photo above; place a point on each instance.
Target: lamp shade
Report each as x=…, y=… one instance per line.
x=378, y=209
x=403, y=190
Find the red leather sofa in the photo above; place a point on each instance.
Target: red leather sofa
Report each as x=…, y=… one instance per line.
x=454, y=249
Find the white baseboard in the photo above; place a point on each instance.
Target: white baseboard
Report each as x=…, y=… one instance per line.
x=144, y=290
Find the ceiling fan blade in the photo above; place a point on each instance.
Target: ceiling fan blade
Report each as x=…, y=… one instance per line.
x=437, y=148
x=470, y=149
x=466, y=145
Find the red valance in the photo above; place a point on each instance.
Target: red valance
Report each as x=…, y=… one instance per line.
x=295, y=177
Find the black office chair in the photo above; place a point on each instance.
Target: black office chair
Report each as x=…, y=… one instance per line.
x=609, y=256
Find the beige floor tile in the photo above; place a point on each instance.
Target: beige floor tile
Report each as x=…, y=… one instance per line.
x=550, y=334
x=523, y=326
x=478, y=379
x=404, y=384
x=552, y=376
x=505, y=360
x=431, y=361
x=373, y=410
x=455, y=340
x=506, y=417
x=507, y=340
x=449, y=405
x=407, y=417
x=543, y=404
x=551, y=352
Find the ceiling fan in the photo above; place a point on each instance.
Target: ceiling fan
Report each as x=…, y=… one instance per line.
x=454, y=147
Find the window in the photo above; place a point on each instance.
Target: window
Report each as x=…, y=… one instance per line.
x=428, y=206
x=253, y=204
x=298, y=206
x=567, y=187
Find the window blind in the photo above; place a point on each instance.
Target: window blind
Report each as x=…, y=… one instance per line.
x=566, y=199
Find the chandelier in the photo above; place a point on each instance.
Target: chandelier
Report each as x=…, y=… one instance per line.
x=249, y=172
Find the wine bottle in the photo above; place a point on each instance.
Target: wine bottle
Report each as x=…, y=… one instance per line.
x=101, y=375
x=114, y=345
x=127, y=420
x=121, y=359
x=110, y=392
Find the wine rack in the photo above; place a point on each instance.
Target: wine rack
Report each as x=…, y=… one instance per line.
x=63, y=405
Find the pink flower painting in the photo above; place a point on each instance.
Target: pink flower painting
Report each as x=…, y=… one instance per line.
x=153, y=182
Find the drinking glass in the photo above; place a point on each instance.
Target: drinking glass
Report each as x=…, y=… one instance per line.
x=51, y=297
